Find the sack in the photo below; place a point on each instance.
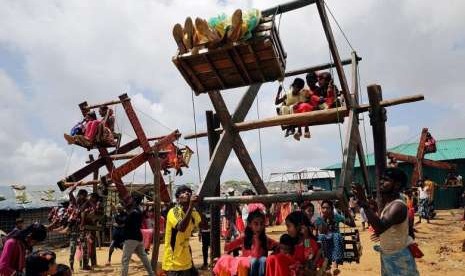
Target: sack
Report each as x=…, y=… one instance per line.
x=415, y=250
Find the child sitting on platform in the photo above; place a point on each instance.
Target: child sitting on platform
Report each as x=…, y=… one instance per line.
x=254, y=245
x=291, y=98
x=90, y=130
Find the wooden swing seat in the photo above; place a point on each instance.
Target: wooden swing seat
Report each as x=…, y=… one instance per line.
x=352, y=246
x=257, y=60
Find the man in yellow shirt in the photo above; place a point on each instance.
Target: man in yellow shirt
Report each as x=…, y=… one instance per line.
x=181, y=220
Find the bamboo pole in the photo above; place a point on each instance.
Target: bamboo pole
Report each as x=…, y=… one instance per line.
x=319, y=117
x=103, y=104
x=272, y=198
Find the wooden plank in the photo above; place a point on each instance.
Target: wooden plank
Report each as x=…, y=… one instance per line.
x=257, y=61
x=350, y=149
x=244, y=82
x=426, y=162
x=240, y=62
x=213, y=69
x=191, y=75
x=238, y=146
x=378, y=122
x=318, y=117
x=272, y=198
x=334, y=52
x=224, y=146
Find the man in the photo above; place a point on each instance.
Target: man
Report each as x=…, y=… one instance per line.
x=392, y=225
x=181, y=220
x=133, y=237
x=77, y=234
x=230, y=213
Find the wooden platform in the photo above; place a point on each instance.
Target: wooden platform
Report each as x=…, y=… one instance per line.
x=257, y=60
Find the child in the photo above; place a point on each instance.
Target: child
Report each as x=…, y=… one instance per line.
x=87, y=139
x=63, y=270
x=254, y=245
x=288, y=101
x=306, y=250
x=283, y=263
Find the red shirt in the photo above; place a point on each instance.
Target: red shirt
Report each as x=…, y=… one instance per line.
x=13, y=257
x=256, y=249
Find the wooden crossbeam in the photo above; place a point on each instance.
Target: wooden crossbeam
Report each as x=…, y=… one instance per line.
x=224, y=145
x=426, y=162
x=238, y=146
x=272, y=198
x=319, y=117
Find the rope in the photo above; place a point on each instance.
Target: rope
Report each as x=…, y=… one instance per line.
x=155, y=120
x=337, y=111
x=260, y=139
x=339, y=27
x=196, y=139
x=68, y=162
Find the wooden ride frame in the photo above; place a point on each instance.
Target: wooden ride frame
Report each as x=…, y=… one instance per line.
x=419, y=160
x=149, y=154
x=221, y=146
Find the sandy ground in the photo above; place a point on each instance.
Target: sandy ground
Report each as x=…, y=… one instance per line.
x=440, y=241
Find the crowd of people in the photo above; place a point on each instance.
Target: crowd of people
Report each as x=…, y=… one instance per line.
x=319, y=93
x=313, y=233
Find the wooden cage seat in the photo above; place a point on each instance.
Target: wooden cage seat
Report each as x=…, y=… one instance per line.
x=352, y=246
x=257, y=60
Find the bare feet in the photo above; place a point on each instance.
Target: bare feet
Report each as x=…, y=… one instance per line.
x=234, y=34
x=188, y=33
x=69, y=139
x=178, y=37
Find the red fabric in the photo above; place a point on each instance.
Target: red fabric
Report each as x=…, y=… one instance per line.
x=255, y=251
x=147, y=237
x=303, y=107
x=13, y=257
x=240, y=224
x=91, y=129
x=280, y=265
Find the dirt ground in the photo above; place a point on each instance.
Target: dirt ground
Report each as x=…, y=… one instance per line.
x=440, y=241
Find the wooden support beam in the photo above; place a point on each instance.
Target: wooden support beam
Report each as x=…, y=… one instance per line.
x=287, y=7
x=272, y=198
x=426, y=162
x=318, y=67
x=224, y=146
x=157, y=214
x=103, y=104
x=318, y=117
x=238, y=146
x=417, y=173
x=378, y=122
x=215, y=210
x=334, y=52
x=150, y=153
x=355, y=91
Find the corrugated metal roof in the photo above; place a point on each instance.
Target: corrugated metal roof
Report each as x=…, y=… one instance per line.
x=33, y=197
x=448, y=149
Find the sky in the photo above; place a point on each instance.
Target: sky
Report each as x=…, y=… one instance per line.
x=57, y=54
